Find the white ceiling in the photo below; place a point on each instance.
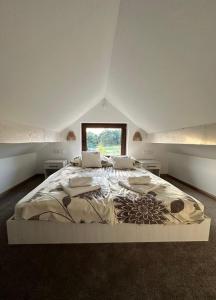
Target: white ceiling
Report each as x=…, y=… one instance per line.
x=55, y=61
x=54, y=58
x=164, y=63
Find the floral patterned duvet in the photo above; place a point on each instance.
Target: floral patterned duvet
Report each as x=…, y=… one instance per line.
x=112, y=203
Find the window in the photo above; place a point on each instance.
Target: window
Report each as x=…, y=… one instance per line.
x=109, y=139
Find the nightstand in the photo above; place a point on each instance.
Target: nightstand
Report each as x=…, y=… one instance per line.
x=151, y=165
x=51, y=166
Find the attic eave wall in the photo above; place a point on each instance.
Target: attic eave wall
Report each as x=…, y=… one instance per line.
x=19, y=133
x=197, y=135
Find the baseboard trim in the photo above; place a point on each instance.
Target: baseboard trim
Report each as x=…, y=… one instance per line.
x=17, y=185
x=194, y=187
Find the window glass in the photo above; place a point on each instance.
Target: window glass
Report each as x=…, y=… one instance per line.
x=105, y=140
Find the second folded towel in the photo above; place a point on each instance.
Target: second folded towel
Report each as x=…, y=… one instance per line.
x=139, y=180
x=78, y=181
x=141, y=189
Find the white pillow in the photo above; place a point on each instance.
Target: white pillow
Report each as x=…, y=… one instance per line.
x=91, y=159
x=123, y=162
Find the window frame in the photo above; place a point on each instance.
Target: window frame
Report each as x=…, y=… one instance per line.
x=122, y=126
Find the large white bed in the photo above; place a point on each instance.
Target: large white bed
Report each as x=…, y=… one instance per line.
x=113, y=214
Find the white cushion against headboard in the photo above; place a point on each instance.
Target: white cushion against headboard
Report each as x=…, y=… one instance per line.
x=91, y=159
x=123, y=162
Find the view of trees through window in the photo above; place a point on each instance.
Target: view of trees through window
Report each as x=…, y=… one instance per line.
x=105, y=140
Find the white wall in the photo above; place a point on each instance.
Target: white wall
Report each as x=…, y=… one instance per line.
x=16, y=169
x=194, y=164
x=9, y=150
x=103, y=112
x=197, y=135
x=11, y=132
x=194, y=150
x=198, y=171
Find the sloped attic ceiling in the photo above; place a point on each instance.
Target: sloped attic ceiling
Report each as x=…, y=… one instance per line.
x=54, y=58
x=164, y=63
x=55, y=61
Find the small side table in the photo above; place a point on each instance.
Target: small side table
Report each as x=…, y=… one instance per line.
x=151, y=165
x=51, y=166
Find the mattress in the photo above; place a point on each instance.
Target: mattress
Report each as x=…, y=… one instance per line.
x=112, y=203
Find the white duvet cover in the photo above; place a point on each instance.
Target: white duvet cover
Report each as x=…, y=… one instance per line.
x=112, y=203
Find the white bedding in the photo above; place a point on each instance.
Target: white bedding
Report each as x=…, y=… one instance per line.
x=112, y=203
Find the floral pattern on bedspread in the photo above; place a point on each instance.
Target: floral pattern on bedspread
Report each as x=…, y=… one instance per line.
x=112, y=203
x=138, y=209
x=55, y=204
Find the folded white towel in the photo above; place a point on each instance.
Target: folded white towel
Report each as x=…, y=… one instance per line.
x=78, y=181
x=142, y=189
x=75, y=191
x=139, y=180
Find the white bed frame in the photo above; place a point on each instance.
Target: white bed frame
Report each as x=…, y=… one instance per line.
x=45, y=232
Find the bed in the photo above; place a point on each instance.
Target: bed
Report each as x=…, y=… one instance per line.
x=112, y=214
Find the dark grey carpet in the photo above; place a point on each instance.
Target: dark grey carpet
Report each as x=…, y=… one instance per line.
x=106, y=271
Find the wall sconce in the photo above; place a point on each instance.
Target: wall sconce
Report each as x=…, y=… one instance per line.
x=137, y=137
x=71, y=136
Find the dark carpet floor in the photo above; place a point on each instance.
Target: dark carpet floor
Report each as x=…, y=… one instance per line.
x=106, y=271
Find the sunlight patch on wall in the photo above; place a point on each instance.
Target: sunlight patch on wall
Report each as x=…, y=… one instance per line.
x=197, y=135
